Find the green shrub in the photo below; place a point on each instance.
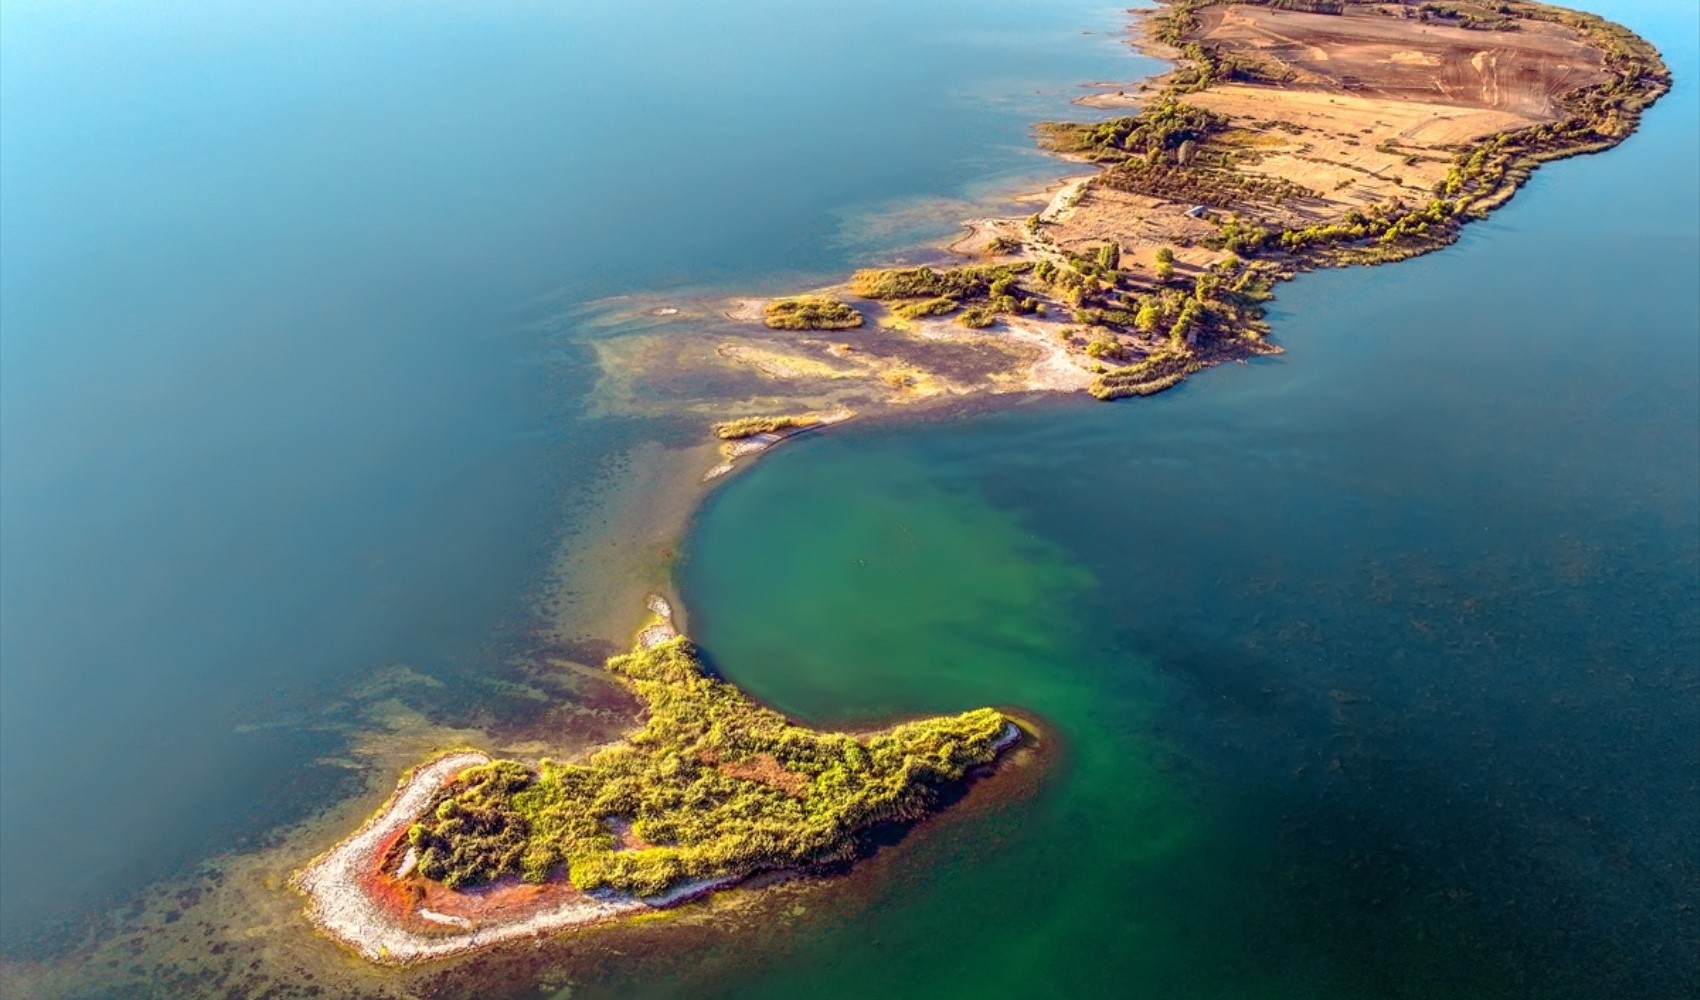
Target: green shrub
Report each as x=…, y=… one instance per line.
x=743, y=427
x=713, y=784
x=961, y=283
x=810, y=313
x=926, y=307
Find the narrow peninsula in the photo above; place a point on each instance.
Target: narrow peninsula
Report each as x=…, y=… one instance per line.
x=1291, y=135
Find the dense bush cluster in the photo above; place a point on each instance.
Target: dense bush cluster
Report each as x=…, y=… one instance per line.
x=713, y=784
x=743, y=427
x=959, y=283
x=988, y=291
x=921, y=308
x=811, y=313
x=1162, y=369
x=1157, y=177
x=1162, y=127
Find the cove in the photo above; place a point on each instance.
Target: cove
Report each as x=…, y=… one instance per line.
x=1372, y=669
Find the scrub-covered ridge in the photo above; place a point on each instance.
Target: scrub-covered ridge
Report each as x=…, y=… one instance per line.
x=712, y=785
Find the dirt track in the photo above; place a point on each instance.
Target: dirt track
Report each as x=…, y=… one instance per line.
x=1524, y=71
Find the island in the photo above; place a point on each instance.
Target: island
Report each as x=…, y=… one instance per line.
x=711, y=789
x=1290, y=135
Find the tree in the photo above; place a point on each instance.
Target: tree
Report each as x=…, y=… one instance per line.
x=1149, y=315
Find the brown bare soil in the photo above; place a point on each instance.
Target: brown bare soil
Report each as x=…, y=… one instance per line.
x=1364, y=52
x=1372, y=108
x=766, y=769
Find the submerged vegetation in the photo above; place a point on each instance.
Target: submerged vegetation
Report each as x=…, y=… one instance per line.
x=811, y=313
x=713, y=785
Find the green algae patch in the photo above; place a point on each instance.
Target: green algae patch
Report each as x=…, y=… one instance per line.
x=712, y=786
x=810, y=313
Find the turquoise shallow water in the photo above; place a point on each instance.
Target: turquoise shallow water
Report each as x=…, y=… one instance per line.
x=1375, y=667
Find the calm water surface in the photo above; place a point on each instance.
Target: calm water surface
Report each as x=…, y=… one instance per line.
x=1367, y=671
x=287, y=392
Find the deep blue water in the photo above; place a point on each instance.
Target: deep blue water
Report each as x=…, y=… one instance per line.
x=276, y=409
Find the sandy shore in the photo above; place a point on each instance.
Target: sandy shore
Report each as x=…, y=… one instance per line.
x=339, y=905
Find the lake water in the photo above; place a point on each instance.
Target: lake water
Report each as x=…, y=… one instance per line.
x=1374, y=669
x=1366, y=671
x=293, y=388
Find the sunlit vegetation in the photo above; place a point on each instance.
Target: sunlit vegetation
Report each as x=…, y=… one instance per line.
x=920, y=308
x=1160, y=128
x=743, y=427
x=987, y=291
x=1160, y=370
x=1469, y=16
x=1206, y=65
x=811, y=313
x=1201, y=184
x=960, y=283
x=1165, y=264
x=1174, y=22
x=712, y=785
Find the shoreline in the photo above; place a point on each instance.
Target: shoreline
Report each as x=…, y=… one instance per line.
x=338, y=904
x=1309, y=151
